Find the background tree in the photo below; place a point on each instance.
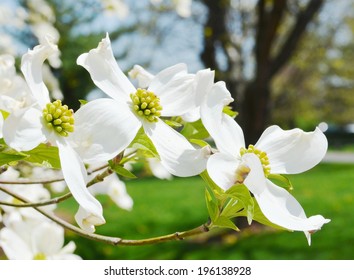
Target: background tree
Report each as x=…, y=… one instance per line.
x=317, y=84
x=266, y=35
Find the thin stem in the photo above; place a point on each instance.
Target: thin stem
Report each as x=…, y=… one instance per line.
x=89, y=172
x=32, y=182
x=56, y=200
x=45, y=181
x=116, y=241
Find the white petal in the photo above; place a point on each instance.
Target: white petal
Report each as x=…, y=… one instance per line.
x=192, y=115
x=103, y=128
x=175, y=88
x=118, y=193
x=14, y=247
x=105, y=72
x=166, y=75
x=116, y=190
x=277, y=204
x=292, y=151
x=158, y=170
x=75, y=176
x=144, y=77
x=23, y=129
x=255, y=181
x=227, y=134
x=48, y=238
x=177, y=155
x=86, y=220
x=281, y=208
x=204, y=80
x=222, y=169
x=31, y=66
x=66, y=253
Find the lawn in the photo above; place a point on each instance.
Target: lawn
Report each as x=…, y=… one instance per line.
x=163, y=207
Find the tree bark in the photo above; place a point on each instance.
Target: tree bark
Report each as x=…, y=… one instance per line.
x=255, y=102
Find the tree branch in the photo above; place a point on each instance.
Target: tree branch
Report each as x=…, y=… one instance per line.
x=56, y=200
x=116, y=241
x=268, y=23
x=303, y=19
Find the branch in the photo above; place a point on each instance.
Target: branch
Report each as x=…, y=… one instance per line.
x=97, y=179
x=303, y=19
x=46, y=181
x=116, y=241
x=268, y=23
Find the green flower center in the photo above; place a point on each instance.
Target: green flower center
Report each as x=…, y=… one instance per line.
x=59, y=118
x=146, y=104
x=40, y=256
x=263, y=157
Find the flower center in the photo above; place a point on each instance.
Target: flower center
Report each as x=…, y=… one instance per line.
x=146, y=104
x=59, y=118
x=263, y=157
x=241, y=173
x=39, y=256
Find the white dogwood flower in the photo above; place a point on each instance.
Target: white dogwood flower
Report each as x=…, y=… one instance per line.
x=36, y=192
x=44, y=241
x=50, y=122
x=113, y=123
x=203, y=80
x=276, y=152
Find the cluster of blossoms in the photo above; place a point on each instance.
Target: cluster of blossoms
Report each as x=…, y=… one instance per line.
x=240, y=179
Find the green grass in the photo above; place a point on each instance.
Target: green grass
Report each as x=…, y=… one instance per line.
x=163, y=207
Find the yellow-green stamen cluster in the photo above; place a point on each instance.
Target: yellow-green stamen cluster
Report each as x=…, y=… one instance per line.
x=146, y=104
x=40, y=256
x=263, y=157
x=59, y=118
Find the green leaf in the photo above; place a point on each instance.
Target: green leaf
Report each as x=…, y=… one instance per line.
x=173, y=123
x=250, y=212
x=212, y=205
x=83, y=102
x=241, y=194
x=142, y=142
x=217, y=191
x=232, y=207
x=225, y=222
x=120, y=170
x=228, y=111
x=199, y=142
x=44, y=155
x=6, y=158
x=284, y=181
x=195, y=130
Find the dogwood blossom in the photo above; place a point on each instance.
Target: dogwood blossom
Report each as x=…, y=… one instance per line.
x=36, y=192
x=14, y=92
x=276, y=152
x=45, y=241
x=50, y=122
x=115, y=122
x=202, y=80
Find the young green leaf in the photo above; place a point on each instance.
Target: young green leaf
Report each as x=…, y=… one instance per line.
x=142, y=142
x=173, y=123
x=195, y=130
x=225, y=222
x=6, y=158
x=44, y=155
x=120, y=170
